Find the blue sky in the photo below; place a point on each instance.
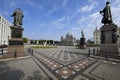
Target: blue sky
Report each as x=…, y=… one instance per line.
x=50, y=19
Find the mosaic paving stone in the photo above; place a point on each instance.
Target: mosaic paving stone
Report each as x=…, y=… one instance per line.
x=64, y=55
x=55, y=66
x=75, y=66
x=64, y=63
x=65, y=72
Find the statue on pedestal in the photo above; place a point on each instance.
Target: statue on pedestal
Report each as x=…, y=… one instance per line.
x=82, y=34
x=82, y=39
x=18, y=16
x=106, y=12
x=16, y=28
x=109, y=38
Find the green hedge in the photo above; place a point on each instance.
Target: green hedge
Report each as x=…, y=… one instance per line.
x=93, y=45
x=43, y=46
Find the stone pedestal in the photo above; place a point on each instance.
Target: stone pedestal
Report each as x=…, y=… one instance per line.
x=16, y=42
x=82, y=43
x=109, y=46
x=111, y=50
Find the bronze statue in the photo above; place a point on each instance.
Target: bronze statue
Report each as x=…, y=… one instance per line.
x=82, y=34
x=18, y=16
x=106, y=12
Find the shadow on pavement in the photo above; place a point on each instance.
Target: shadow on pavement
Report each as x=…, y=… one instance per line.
x=7, y=73
x=36, y=76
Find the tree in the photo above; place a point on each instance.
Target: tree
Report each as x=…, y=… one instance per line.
x=90, y=41
x=25, y=40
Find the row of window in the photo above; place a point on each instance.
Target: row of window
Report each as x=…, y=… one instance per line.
x=5, y=31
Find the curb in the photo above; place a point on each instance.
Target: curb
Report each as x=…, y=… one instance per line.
x=117, y=60
x=8, y=59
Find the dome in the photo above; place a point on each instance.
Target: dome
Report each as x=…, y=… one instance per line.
x=69, y=35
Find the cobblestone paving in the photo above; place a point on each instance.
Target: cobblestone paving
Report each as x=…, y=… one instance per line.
x=64, y=55
x=66, y=62
x=62, y=63
x=24, y=69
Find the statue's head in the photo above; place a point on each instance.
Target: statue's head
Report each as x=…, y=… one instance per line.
x=18, y=9
x=107, y=2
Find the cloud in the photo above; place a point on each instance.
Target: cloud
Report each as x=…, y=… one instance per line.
x=53, y=9
x=64, y=3
x=7, y=5
x=64, y=18
x=4, y=12
x=116, y=2
x=34, y=4
x=115, y=9
x=88, y=24
x=88, y=7
x=92, y=20
x=10, y=4
x=59, y=23
x=31, y=2
x=116, y=15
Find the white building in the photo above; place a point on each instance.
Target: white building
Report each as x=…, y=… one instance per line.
x=69, y=40
x=97, y=36
x=5, y=31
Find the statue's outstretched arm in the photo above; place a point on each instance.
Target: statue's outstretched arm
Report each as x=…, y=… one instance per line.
x=13, y=14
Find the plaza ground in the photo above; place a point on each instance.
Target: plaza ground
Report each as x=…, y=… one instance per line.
x=61, y=63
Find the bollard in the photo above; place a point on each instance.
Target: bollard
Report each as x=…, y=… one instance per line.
x=94, y=51
x=97, y=51
x=28, y=50
x=49, y=78
x=106, y=56
x=2, y=51
x=15, y=54
x=89, y=52
x=32, y=51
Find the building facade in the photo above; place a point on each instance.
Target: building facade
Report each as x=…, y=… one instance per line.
x=97, y=36
x=68, y=40
x=5, y=31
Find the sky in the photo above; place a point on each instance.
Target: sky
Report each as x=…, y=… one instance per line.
x=51, y=19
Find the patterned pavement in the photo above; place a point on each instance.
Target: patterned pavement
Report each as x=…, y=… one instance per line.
x=61, y=63
x=65, y=63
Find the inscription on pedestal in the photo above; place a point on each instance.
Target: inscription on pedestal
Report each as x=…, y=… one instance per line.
x=16, y=36
x=108, y=34
x=16, y=32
